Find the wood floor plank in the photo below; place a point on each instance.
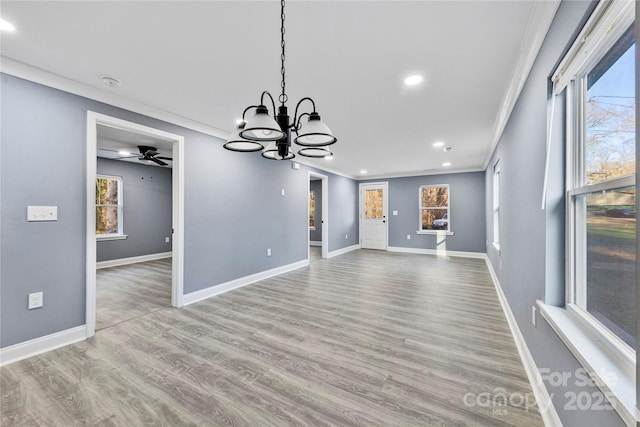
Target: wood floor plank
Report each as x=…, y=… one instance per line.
x=368, y=338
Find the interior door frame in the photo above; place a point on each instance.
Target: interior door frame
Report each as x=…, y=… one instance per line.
x=385, y=208
x=177, y=181
x=325, y=214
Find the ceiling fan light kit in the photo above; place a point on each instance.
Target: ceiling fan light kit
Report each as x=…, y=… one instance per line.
x=253, y=133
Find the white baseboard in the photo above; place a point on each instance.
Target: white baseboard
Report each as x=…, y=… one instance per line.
x=132, y=260
x=342, y=251
x=314, y=243
x=545, y=405
x=436, y=252
x=212, y=291
x=41, y=345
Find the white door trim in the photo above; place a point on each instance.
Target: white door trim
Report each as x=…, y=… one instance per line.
x=385, y=207
x=325, y=212
x=177, y=288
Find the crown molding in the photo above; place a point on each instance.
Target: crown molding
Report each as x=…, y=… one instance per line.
x=540, y=19
x=47, y=78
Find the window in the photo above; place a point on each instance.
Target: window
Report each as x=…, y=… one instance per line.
x=597, y=77
x=434, y=208
x=602, y=190
x=312, y=210
x=109, y=207
x=496, y=205
x=373, y=201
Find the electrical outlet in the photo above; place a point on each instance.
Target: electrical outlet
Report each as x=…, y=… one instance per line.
x=268, y=251
x=408, y=236
x=282, y=192
x=35, y=300
x=346, y=236
x=533, y=315
x=166, y=240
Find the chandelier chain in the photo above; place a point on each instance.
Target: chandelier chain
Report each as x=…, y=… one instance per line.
x=283, y=96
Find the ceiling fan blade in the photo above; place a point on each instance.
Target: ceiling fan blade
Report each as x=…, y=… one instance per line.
x=160, y=162
x=163, y=157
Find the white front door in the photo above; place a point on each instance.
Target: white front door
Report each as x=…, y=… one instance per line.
x=373, y=216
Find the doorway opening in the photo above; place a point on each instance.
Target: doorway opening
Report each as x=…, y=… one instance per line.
x=117, y=149
x=318, y=213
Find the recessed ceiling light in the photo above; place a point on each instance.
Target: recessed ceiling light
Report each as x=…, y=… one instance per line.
x=124, y=153
x=328, y=157
x=413, y=80
x=438, y=144
x=239, y=121
x=6, y=25
x=363, y=171
x=445, y=164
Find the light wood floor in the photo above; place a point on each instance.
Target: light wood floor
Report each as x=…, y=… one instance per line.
x=129, y=291
x=368, y=338
x=315, y=253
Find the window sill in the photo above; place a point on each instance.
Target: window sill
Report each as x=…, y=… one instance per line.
x=436, y=232
x=102, y=238
x=612, y=371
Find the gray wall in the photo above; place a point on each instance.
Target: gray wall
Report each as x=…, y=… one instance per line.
x=343, y=209
x=233, y=208
x=466, y=210
x=146, y=210
x=316, y=235
x=531, y=239
x=343, y=212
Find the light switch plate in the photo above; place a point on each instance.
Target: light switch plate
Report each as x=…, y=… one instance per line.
x=395, y=212
x=42, y=213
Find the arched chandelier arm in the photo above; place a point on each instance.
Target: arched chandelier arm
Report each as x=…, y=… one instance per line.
x=245, y=111
x=297, y=124
x=273, y=104
x=296, y=120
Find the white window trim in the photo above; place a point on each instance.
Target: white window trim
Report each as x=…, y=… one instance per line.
x=314, y=209
x=120, y=234
x=446, y=232
x=436, y=232
x=610, y=362
x=496, y=206
x=612, y=371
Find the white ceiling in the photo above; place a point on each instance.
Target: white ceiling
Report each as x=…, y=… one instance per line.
x=208, y=60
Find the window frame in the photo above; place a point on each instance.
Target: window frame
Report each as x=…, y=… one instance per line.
x=496, y=205
x=120, y=233
x=577, y=186
x=446, y=231
x=311, y=192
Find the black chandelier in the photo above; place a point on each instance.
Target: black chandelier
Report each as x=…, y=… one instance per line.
x=252, y=134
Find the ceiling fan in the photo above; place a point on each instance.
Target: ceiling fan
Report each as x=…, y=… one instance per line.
x=151, y=153
x=147, y=153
